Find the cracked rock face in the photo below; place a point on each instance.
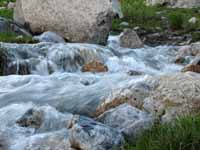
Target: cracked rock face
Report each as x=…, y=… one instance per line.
x=86, y=20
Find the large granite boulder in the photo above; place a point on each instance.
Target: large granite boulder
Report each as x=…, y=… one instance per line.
x=175, y=95
x=176, y=3
x=76, y=21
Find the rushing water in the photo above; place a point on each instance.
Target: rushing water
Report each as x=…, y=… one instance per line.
x=56, y=79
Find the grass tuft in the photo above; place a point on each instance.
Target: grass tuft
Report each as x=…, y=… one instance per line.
x=182, y=134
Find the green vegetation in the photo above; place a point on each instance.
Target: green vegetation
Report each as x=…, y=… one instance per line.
x=3, y=3
x=182, y=134
x=10, y=37
x=156, y=18
x=6, y=13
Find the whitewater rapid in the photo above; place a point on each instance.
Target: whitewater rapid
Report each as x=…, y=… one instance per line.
x=56, y=80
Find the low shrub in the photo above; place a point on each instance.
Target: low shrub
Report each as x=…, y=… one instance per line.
x=176, y=21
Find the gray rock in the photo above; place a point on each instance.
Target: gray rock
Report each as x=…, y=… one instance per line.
x=174, y=96
x=129, y=120
x=86, y=134
x=130, y=39
x=9, y=26
x=196, y=61
x=49, y=37
x=58, y=140
x=30, y=127
x=86, y=20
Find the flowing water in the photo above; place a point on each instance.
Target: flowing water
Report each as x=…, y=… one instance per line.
x=56, y=82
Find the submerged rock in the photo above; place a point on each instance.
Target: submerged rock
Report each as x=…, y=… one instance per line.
x=54, y=130
x=94, y=66
x=174, y=96
x=49, y=37
x=129, y=120
x=87, y=134
x=92, y=21
x=130, y=39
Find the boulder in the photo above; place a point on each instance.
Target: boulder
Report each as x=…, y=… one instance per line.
x=130, y=39
x=86, y=20
x=87, y=134
x=133, y=94
x=184, y=52
x=33, y=127
x=127, y=119
x=49, y=37
x=175, y=95
x=94, y=66
x=192, y=68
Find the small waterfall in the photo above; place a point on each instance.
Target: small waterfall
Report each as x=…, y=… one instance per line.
x=47, y=77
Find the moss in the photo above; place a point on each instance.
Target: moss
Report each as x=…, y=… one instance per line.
x=6, y=13
x=10, y=37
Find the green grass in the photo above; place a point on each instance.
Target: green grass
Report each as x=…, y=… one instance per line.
x=10, y=37
x=6, y=13
x=182, y=134
x=136, y=13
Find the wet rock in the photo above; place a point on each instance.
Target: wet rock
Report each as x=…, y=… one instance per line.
x=175, y=95
x=88, y=134
x=31, y=118
x=8, y=66
x=44, y=119
x=92, y=24
x=3, y=61
x=9, y=26
x=95, y=66
x=129, y=120
x=133, y=94
x=20, y=68
x=134, y=73
x=49, y=37
x=130, y=39
x=58, y=140
x=3, y=141
x=192, y=68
